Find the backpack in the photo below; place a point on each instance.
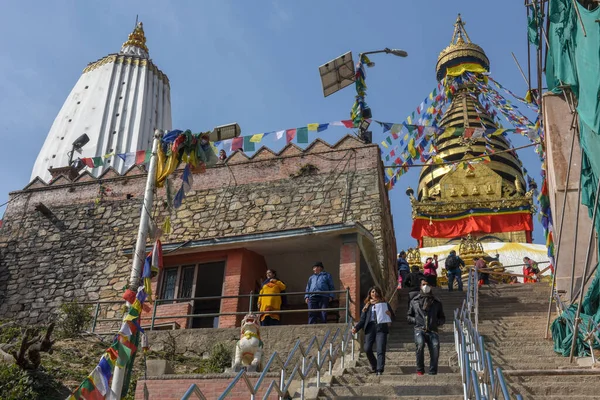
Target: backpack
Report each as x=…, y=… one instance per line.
x=452, y=263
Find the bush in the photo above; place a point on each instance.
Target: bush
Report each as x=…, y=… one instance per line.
x=17, y=384
x=219, y=360
x=73, y=318
x=9, y=331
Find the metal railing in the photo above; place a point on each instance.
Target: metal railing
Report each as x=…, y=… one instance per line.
x=480, y=379
x=98, y=305
x=328, y=351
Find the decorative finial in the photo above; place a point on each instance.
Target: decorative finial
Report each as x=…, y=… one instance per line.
x=136, y=43
x=460, y=35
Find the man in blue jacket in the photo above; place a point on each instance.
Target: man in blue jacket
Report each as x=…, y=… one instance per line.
x=320, y=281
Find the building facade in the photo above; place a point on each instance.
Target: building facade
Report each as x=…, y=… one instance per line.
x=72, y=239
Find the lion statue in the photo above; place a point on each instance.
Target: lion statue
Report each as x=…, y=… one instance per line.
x=249, y=349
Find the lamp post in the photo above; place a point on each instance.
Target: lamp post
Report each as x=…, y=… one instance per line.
x=360, y=111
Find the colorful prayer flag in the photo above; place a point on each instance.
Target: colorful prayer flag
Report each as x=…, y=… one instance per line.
x=302, y=135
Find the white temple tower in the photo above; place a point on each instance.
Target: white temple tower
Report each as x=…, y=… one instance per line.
x=118, y=102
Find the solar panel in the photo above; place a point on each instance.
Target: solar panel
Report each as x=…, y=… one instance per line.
x=337, y=74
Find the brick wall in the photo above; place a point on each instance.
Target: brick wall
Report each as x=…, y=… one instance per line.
x=165, y=310
x=76, y=252
x=211, y=387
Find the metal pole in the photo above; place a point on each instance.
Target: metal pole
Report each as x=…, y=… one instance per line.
x=576, y=232
x=585, y=269
x=140, y=247
x=96, y=311
x=250, y=305
x=347, y=303
x=154, y=314
x=560, y=229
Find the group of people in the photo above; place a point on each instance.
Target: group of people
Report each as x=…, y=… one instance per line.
x=411, y=277
x=318, y=296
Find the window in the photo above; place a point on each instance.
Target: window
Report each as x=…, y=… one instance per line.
x=170, y=283
x=187, y=282
x=195, y=281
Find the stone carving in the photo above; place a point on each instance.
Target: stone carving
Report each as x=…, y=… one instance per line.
x=249, y=349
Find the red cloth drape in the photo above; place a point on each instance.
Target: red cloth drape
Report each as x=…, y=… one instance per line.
x=492, y=223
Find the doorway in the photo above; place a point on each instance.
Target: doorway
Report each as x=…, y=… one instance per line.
x=209, y=282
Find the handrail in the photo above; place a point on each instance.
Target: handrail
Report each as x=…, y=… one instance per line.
x=193, y=389
x=96, y=312
x=302, y=367
x=479, y=378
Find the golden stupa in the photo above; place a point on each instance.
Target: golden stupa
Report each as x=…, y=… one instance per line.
x=453, y=202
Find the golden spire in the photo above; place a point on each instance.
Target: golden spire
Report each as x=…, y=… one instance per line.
x=465, y=111
x=460, y=50
x=136, y=42
x=460, y=33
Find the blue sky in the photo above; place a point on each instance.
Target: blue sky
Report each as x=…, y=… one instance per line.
x=255, y=63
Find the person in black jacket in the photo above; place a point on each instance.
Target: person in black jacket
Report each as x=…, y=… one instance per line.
x=426, y=313
x=413, y=282
x=375, y=333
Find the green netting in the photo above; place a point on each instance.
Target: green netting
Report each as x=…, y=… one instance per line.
x=574, y=60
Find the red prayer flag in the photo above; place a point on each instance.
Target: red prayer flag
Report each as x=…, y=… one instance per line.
x=237, y=143
x=348, y=123
x=290, y=134
x=140, y=157
x=88, y=162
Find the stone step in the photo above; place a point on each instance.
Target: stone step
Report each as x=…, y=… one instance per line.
x=400, y=369
x=412, y=391
x=398, y=379
x=556, y=389
x=411, y=397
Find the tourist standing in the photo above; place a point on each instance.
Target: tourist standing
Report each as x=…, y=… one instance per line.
x=272, y=285
x=320, y=281
x=376, y=328
x=453, y=267
x=403, y=268
x=430, y=270
x=426, y=313
x=413, y=282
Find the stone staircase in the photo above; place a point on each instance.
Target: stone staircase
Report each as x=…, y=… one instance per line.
x=400, y=380
x=512, y=319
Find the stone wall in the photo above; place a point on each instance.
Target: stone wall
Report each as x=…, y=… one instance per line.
x=72, y=247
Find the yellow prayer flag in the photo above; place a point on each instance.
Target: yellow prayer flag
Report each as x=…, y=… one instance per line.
x=411, y=148
x=384, y=143
x=108, y=155
x=312, y=127
x=409, y=120
x=257, y=138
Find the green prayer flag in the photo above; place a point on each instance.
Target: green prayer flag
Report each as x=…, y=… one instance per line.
x=148, y=156
x=98, y=161
x=302, y=135
x=124, y=354
x=388, y=139
x=248, y=145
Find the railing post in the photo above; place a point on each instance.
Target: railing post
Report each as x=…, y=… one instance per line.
x=318, y=368
x=250, y=303
x=330, y=358
x=347, y=304
x=96, y=311
x=154, y=314
x=343, y=352
x=282, y=380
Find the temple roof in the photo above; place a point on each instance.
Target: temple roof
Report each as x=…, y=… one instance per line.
x=136, y=43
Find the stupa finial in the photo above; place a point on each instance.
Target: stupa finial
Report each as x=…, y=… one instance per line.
x=460, y=35
x=136, y=42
